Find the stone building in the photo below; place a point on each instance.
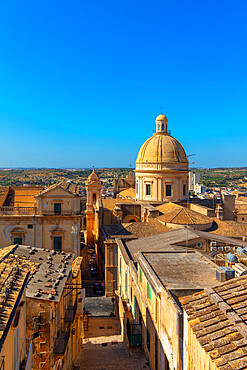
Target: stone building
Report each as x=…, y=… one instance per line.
x=14, y=346
x=154, y=272
x=47, y=218
x=54, y=305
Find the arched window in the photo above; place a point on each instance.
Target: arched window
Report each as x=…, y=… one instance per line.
x=94, y=198
x=162, y=126
x=158, y=127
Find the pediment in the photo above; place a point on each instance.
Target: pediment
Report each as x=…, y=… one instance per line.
x=56, y=191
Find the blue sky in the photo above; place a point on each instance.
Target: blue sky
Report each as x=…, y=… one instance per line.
x=82, y=81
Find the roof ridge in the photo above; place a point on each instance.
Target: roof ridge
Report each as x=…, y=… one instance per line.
x=177, y=214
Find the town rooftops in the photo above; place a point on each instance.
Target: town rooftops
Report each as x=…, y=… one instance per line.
x=175, y=214
x=127, y=193
x=21, y=196
x=218, y=319
x=156, y=243
x=52, y=272
x=3, y=193
x=14, y=272
x=172, y=241
x=134, y=230
x=180, y=270
x=229, y=228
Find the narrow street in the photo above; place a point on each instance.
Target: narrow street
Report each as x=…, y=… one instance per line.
x=108, y=353
x=103, y=347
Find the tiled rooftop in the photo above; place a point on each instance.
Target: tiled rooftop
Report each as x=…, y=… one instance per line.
x=176, y=214
x=218, y=318
x=22, y=196
x=130, y=192
x=3, y=191
x=51, y=275
x=109, y=203
x=178, y=270
x=134, y=230
x=14, y=271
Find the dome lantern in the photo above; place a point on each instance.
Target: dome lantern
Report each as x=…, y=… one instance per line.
x=161, y=123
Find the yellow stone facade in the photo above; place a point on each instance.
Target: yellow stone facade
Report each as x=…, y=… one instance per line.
x=161, y=167
x=51, y=219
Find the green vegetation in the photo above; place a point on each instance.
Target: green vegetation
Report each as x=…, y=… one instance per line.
x=47, y=177
x=223, y=177
x=211, y=177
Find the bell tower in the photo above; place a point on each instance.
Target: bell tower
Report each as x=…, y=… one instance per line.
x=93, y=189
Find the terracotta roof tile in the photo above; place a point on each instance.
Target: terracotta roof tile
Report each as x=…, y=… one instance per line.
x=130, y=192
x=228, y=228
x=176, y=214
x=223, y=335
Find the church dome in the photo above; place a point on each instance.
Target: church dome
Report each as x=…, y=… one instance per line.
x=163, y=149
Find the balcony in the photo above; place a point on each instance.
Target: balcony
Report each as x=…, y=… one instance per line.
x=31, y=211
x=16, y=211
x=48, y=212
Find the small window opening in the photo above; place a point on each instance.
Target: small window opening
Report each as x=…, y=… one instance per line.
x=168, y=190
x=148, y=189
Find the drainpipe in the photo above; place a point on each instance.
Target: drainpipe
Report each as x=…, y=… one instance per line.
x=34, y=229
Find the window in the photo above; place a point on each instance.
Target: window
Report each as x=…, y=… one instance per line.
x=94, y=198
x=162, y=126
x=148, y=291
x=242, y=218
x=148, y=189
x=184, y=189
x=57, y=243
x=57, y=208
x=120, y=264
x=18, y=241
x=168, y=190
x=30, y=226
x=126, y=282
x=157, y=310
x=134, y=306
x=148, y=340
x=140, y=276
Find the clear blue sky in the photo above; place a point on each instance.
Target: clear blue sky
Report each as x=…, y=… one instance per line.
x=81, y=82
